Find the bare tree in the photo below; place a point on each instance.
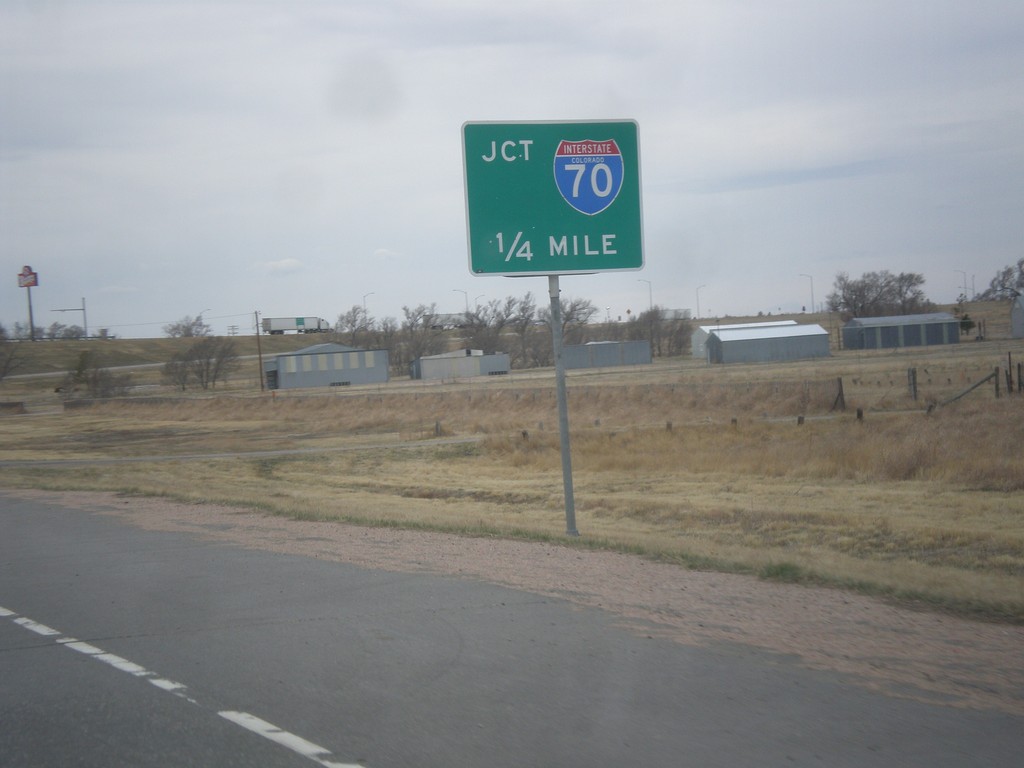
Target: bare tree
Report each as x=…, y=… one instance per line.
x=188, y=327
x=1008, y=284
x=576, y=313
x=354, y=322
x=10, y=359
x=486, y=323
x=23, y=331
x=878, y=293
x=176, y=372
x=523, y=322
x=211, y=360
x=95, y=380
x=384, y=335
x=421, y=335
x=204, y=363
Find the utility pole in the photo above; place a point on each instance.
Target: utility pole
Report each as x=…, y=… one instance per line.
x=85, y=323
x=259, y=347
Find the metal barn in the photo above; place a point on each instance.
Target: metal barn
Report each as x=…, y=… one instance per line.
x=327, y=365
x=461, y=364
x=901, y=331
x=1017, y=318
x=767, y=344
x=699, y=338
x=606, y=354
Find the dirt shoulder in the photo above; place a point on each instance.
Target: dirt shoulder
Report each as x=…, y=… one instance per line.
x=921, y=655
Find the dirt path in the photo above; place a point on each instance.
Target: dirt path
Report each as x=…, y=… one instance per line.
x=921, y=655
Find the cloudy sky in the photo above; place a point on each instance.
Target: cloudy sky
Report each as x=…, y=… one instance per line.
x=164, y=159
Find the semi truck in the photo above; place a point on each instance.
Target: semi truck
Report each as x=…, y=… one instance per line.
x=276, y=325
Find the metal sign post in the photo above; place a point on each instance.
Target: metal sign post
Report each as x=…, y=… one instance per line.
x=563, y=406
x=27, y=279
x=550, y=199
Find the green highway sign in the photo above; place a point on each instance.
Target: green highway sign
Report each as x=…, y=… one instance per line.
x=545, y=198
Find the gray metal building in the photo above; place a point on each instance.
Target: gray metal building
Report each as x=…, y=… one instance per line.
x=327, y=365
x=461, y=364
x=699, y=338
x=606, y=354
x=901, y=331
x=1017, y=318
x=767, y=344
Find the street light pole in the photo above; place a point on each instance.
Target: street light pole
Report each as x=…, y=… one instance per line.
x=465, y=295
x=371, y=293
x=812, y=289
x=698, y=299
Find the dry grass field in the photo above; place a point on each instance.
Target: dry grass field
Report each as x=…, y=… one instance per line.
x=747, y=468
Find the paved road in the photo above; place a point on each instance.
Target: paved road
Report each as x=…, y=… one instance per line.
x=120, y=646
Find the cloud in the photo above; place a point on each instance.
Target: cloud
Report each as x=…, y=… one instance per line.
x=286, y=266
x=365, y=87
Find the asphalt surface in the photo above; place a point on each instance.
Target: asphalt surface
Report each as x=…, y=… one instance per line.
x=124, y=647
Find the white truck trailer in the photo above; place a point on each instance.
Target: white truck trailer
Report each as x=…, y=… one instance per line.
x=277, y=325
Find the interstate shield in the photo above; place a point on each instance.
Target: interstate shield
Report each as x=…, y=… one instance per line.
x=588, y=173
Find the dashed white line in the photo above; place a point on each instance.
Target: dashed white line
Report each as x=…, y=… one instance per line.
x=284, y=738
x=39, y=629
x=245, y=720
x=167, y=685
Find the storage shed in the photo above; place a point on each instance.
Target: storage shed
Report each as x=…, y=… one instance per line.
x=901, y=331
x=606, y=354
x=461, y=364
x=1017, y=318
x=327, y=365
x=767, y=344
x=699, y=338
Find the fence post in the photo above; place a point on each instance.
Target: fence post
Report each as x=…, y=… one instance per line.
x=995, y=376
x=912, y=382
x=840, y=401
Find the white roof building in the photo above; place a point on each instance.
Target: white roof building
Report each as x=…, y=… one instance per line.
x=700, y=336
x=767, y=344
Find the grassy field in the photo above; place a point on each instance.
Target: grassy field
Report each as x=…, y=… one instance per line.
x=746, y=468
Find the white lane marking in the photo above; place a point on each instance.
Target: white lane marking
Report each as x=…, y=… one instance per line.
x=167, y=685
x=78, y=645
x=39, y=629
x=107, y=658
x=123, y=664
x=251, y=723
x=284, y=738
